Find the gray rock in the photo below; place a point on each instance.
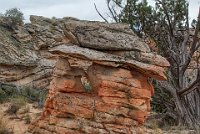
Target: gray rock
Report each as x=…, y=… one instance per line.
x=102, y=36
x=25, y=57
x=103, y=58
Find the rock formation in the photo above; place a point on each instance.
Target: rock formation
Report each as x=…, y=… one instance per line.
x=97, y=73
x=25, y=57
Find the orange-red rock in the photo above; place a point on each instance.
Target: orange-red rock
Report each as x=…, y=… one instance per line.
x=138, y=115
x=140, y=93
x=118, y=103
x=96, y=73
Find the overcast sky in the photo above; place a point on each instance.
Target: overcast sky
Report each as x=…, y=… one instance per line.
x=82, y=9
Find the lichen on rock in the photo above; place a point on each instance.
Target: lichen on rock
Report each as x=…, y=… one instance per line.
x=97, y=73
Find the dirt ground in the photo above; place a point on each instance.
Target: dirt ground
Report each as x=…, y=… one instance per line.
x=15, y=122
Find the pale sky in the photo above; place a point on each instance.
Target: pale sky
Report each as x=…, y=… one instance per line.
x=82, y=9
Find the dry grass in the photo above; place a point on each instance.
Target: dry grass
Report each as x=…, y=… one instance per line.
x=27, y=119
x=15, y=104
x=4, y=129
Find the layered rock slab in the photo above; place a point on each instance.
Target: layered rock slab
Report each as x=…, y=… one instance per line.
x=27, y=55
x=113, y=60
x=102, y=86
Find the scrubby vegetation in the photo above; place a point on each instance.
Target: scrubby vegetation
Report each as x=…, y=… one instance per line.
x=19, y=96
x=167, y=24
x=15, y=104
x=11, y=18
x=15, y=14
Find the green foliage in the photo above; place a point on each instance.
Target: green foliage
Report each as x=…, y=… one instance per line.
x=147, y=19
x=166, y=23
x=11, y=18
x=6, y=92
x=53, y=17
x=15, y=15
x=194, y=23
x=3, y=96
x=160, y=97
x=15, y=104
x=88, y=87
x=27, y=118
x=34, y=95
x=138, y=14
x=10, y=92
x=176, y=11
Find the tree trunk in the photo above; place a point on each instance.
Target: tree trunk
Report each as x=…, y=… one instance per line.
x=186, y=110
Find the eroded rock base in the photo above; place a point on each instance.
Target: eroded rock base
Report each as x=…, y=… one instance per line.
x=101, y=100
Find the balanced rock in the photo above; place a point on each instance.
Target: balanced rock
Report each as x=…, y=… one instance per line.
x=115, y=100
x=97, y=73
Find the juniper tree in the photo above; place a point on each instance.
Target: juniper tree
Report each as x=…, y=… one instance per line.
x=167, y=23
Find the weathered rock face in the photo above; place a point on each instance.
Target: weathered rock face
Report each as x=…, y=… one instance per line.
x=25, y=57
x=115, y=100
x=97, y=73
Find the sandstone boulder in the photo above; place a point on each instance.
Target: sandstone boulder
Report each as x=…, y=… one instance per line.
x=97, y=73
x=118, y=102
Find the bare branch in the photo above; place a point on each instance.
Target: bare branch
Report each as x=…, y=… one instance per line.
x=114, y=12
x=167, y=15
x=117, y=3
x=195, y=38
x=194, y=45
x=166, y=86
x=187, y=19
x=194, y=85
x=111, y=11
x=185, y=41
x=186, y=36
x=188, y=90
x=175, y=20
x=197, y=46
x=100, y=14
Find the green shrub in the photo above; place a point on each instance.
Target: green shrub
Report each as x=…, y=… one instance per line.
x=8, y=93
x=27, y=119
x=42, y=97
x=16, y=15
x=3, y=96
x=11, y=18
x=15, y=104
x=34, y=95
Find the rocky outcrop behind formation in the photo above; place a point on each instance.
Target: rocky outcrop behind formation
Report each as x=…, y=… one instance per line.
x=97, y=73
x=28, y=53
